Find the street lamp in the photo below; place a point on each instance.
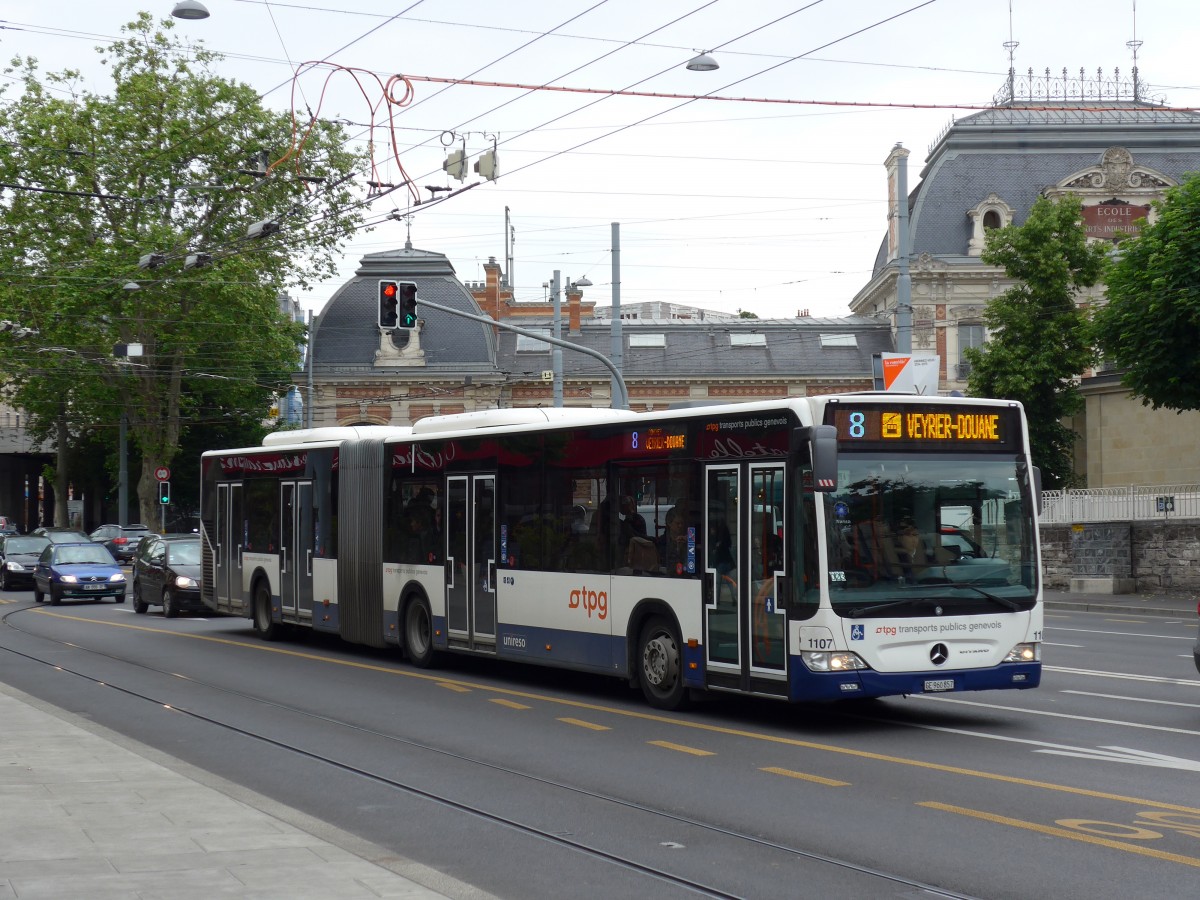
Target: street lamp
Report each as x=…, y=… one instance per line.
x=702, y=62
x=189, y=9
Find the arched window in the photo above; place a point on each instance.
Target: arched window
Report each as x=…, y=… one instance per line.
x=992, y=213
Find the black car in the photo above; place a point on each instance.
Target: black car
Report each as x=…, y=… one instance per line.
x=121, y=540
x=166, y=570
x=1196, y=648
x=18, y=556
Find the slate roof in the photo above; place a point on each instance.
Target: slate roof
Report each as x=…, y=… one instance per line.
x=702, y=350
x=347, y=334
x=1016, y=152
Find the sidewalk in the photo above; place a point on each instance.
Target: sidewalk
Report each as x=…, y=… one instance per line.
x=1175, y=605
x=87, y=813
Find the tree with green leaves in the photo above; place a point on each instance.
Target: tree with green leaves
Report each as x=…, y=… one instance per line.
x=1150, y=327
x=1038, y=341
x=127, y=220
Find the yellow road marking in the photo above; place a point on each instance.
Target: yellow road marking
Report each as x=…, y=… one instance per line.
x=1065, y=833
x=694, y=725
x=775, y=770
x=511, y=704
x=582, y=724
x=457, y=688
x=694, y=751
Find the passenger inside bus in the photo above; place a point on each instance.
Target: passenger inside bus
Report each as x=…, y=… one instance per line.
x=672, y=546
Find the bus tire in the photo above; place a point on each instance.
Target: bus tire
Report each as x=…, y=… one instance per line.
x=418, y=633
x=660, y=664
x=267, y=628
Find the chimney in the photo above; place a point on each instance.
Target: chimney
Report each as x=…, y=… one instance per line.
x=491, y=289
x=574, y=304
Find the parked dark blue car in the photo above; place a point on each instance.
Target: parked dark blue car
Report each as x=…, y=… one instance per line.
x=77, y=572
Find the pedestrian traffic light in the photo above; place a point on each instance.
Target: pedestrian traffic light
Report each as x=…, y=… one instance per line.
x=387, y=304
x=164, y=492
x=408, y=305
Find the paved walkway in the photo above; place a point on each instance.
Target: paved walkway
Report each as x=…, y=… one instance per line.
x=1176, y=605
x=86, y=813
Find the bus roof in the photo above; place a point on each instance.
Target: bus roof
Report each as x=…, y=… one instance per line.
x=523, y=415
x=335, y=433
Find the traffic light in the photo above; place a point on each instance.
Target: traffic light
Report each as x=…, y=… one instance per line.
x=455, y=164
x=387, y=304
x=164, y=492
x=488, y=165
x=408, y=305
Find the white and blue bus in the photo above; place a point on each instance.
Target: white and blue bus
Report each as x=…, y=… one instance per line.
x=855, y=545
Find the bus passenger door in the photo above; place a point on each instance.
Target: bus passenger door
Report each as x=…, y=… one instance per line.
x=471, y=559
x=745, y=542
x=227, y=568
x=295, y=548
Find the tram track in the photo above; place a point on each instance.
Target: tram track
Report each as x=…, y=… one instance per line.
x=558, y=839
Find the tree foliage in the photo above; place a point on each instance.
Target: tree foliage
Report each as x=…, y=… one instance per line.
x=94, y=183
x=1150, y=326
x=1038, y=341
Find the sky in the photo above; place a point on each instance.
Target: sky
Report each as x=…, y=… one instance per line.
x=772, y=202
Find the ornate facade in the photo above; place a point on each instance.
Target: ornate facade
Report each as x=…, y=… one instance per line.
x=1092, y=140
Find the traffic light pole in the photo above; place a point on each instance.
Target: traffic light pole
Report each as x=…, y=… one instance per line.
x=621, y=394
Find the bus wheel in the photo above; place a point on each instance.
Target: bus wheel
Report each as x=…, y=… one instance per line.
x=661, y=665
x=267, y=629
x=418, y=633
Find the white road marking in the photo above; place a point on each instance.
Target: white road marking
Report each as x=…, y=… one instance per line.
x=1165, y=637
x=1133, y=699
x=1052, y=644
x=1126, y=676
x=1056, y=715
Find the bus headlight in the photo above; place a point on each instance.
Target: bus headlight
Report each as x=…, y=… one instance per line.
x=831, y=661
x=1023, y=653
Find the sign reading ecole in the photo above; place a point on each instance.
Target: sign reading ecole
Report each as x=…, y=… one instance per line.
x=1112, y=219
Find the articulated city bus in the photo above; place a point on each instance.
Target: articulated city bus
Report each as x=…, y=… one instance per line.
x=855, y=545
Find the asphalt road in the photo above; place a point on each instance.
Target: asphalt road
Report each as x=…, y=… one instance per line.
x=536, y=783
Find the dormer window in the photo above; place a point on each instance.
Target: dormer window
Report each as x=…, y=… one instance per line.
x=992, y=213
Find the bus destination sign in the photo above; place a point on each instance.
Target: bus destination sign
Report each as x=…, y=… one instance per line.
x=656, y=440
x=976, y=428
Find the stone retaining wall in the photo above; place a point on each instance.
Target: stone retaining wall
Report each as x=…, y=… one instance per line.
x=1150, y=556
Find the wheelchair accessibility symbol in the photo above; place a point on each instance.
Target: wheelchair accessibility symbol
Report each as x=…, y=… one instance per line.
x=857, y=632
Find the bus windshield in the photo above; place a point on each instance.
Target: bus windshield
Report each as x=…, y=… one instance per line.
x=916, y=528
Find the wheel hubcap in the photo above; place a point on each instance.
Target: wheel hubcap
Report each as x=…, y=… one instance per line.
x=660, y=661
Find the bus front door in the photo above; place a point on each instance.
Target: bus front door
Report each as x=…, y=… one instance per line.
x=744, y=568
x=296, y=549
x=471, y=560
x=227, y=558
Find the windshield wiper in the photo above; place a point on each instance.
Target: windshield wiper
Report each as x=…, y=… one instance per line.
x=861, y=611
x=1000, y=601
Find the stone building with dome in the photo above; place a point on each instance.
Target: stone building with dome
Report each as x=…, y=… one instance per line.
x=1097, y=139
x=362, y=374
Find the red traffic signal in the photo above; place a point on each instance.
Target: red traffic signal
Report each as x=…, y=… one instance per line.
x=388, y=304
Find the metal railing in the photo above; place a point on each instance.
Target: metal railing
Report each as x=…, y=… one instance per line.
x=1174, y=501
